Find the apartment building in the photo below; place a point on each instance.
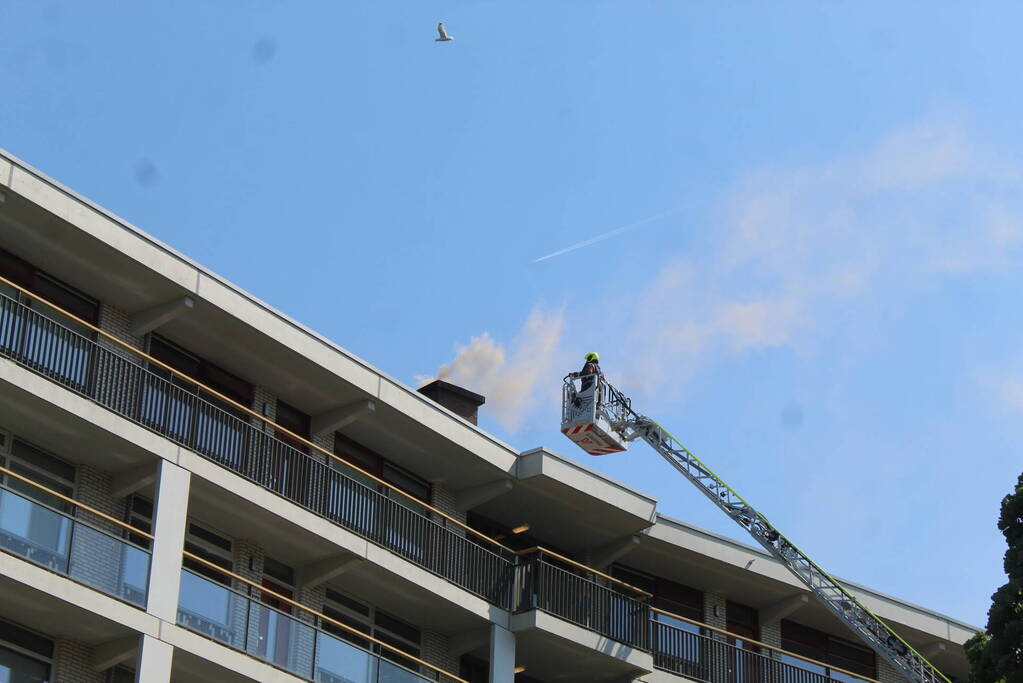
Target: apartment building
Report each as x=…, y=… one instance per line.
x=194, y=487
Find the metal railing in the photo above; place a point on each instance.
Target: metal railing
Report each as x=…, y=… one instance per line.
x=187, y=415
x=247, y=623
x=245, y=443
x=33, y=528
x=583, y=596
x=717, y=658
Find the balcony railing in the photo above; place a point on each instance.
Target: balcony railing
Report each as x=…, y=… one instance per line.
x=708, y=658
x=575, y=593
x=248, y=623
x=51, y=538
x=183, y=413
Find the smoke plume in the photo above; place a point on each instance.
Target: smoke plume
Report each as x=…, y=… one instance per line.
x=509, y=378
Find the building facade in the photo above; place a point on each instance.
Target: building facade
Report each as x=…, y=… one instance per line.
x=194, y=487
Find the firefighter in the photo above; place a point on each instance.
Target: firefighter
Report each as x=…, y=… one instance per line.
x=590, y=370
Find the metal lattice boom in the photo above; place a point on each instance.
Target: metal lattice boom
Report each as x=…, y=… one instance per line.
x=617, y=409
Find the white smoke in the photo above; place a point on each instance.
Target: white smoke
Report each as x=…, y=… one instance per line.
x=509, y=378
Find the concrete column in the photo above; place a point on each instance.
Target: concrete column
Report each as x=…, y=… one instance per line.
x=169, y=530
x=502, y=655
x=155, y=660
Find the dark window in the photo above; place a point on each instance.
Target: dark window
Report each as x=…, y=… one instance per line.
x=294, y=420
x=172, y=409
x=352, y=451
x=26, y=640
x=24, y=655
x=667, y=595
x=742, y=620
x=69, y=299
x=16, y=270
x=37, y=340
x=824, y=647
x=41, y=467
x=211, y=547
x=348, y=602
x=380, y=625
x=201, y=370
x=48, y=287
x=279, y=571
x=473, y=670
x=140, y=516
x=209, y=537
x=343, y=633
x=120, y=674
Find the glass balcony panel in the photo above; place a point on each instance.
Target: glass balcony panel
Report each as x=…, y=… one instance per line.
x=60, y=543
x=287, y=642
x=213, y=610
x=34, y=532
x=282, y=640
x=109, y=564
x=340, y=662
x=134, y=584
x=392, y=673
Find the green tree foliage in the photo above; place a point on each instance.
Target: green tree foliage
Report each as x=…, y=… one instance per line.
x=997, y=655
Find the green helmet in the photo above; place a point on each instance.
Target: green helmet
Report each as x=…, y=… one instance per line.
x=592, y=356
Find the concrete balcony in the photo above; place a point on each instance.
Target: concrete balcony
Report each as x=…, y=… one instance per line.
x=230, y=454
x=571, y=507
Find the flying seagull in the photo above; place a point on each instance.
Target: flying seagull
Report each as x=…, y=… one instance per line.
x=443, y=34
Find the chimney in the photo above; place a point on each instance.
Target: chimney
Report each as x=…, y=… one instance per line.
x=456, y=399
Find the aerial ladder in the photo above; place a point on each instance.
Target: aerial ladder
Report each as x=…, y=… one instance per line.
x=599, y=419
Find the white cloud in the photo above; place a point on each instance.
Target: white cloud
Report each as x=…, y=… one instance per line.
x=797, y=257
x=804, y=254
x=1012, y=394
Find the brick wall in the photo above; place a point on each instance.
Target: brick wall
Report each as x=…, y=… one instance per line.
x=71, y=664
x=99, y=559
x=710, y=601
x=771, y=633
x=261, y=396
x=435, y=651
x=443, y=499
x=118, y=323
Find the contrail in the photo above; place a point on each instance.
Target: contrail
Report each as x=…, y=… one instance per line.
x=608, y=235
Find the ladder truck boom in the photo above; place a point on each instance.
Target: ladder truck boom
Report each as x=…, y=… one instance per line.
x=600, y=419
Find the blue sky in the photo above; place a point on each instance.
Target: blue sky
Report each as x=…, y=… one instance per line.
x=826, y=309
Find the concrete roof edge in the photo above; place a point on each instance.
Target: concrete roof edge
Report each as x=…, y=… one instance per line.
x=583, y=468
x=170, y=251
x=871, y=591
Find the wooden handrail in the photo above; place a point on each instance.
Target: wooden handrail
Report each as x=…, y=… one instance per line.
x=324, y=617
x=580, y=565
x=249, y=411
x=758, y=643
x=72, y=501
